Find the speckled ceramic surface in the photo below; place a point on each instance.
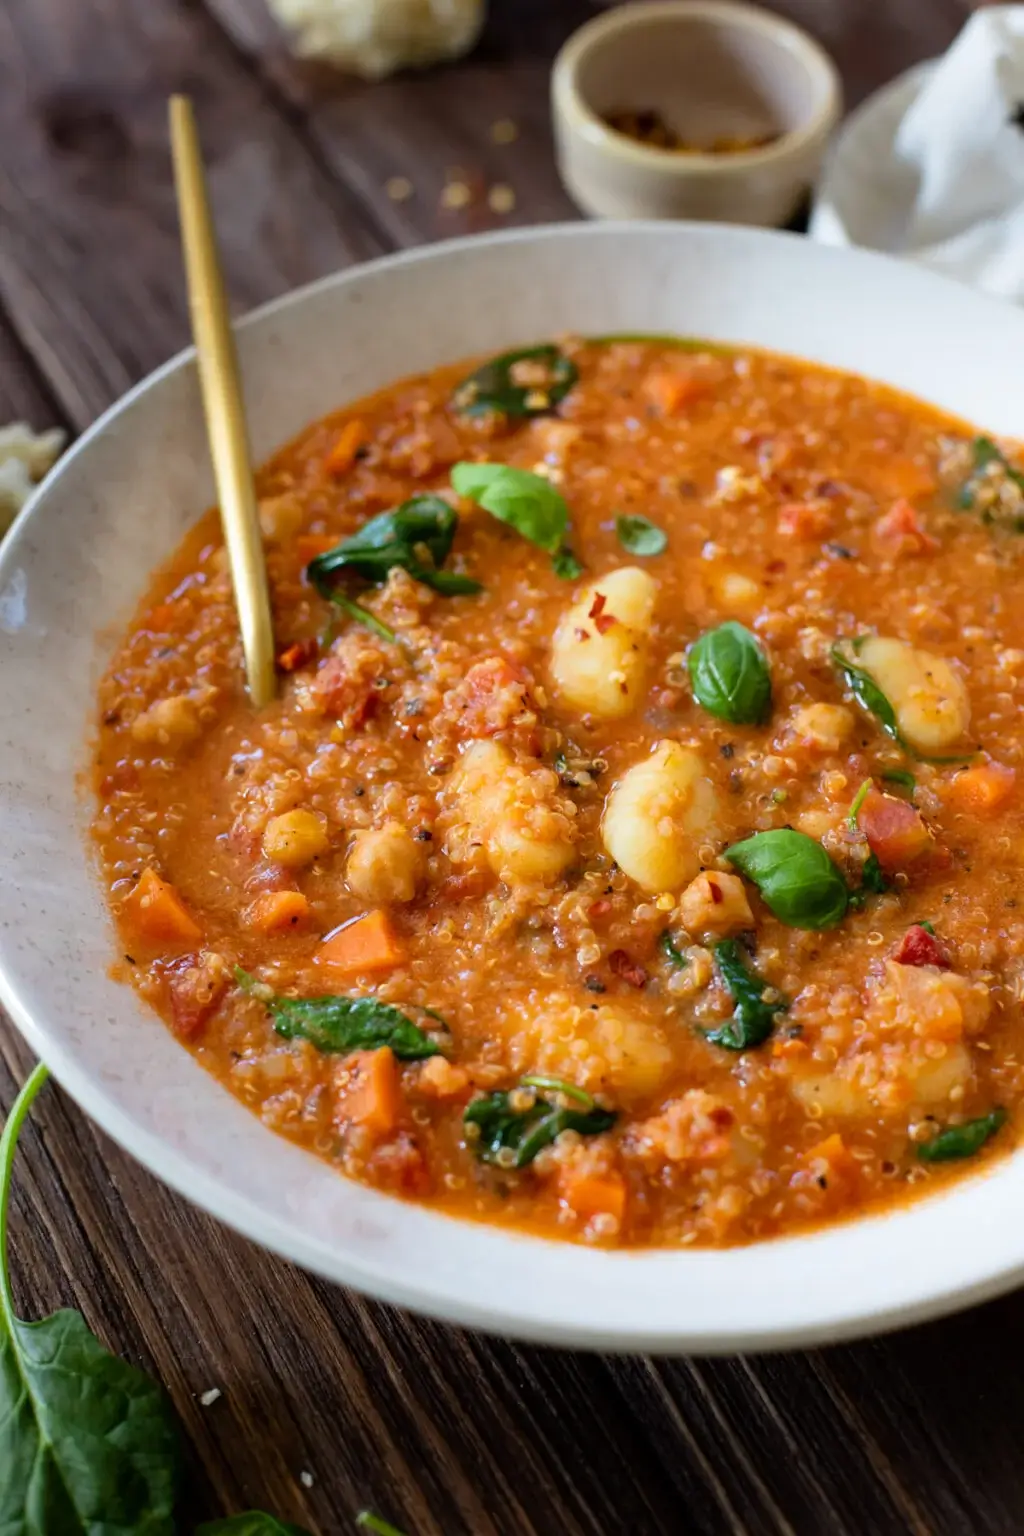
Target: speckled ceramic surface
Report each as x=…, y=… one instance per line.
x=70, y=575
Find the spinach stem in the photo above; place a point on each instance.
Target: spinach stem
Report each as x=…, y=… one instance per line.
x=8, y=1143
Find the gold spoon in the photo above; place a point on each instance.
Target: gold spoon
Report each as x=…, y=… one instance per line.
x=223, y=405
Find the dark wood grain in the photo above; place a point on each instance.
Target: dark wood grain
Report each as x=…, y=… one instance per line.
x=445, y=1433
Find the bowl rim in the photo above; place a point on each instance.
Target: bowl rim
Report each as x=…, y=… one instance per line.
x=980, y=1279
x=817, y=64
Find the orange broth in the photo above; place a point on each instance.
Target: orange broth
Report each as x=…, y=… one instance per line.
x=452, y=792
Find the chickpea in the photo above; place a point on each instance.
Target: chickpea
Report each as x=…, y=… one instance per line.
x=177, y=721
x=385, y=865
x=295, y=838
x=929, y=698
x=599, y=652
x=825, y=727
x=658, y=814
x=715, y=904
x=525, y=827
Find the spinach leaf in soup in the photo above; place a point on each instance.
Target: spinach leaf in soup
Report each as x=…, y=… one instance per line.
x=511, y=1127
x=729, y=675
x=965, y=1140
x=753, y=1018
x=670, y=949
x=528, y=382
x=415, y=537
x=565, y=565
x=88, y=1443
x=994, y=488
x=640, y=537
x=864, y=688
x=339, y=1025
x=525, y=501
x=795, y=876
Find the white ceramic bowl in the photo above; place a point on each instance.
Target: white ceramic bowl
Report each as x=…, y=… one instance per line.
x=70, y=575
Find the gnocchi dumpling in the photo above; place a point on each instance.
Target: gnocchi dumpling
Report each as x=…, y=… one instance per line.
x=611, y=1048
x=657, y=816
x=516, y=814
x=599, y=652
x=928, y=697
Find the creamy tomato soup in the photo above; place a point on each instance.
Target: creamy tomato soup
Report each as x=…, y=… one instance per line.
x=633, y=850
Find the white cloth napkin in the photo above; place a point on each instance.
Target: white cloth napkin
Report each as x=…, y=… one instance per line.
x=932, y=168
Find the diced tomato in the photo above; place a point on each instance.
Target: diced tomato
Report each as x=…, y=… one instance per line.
x=901, y=532
x=622, y=964
x=805, y=520
x=984, y=788
x=296, y=655
x=895, y=831
x=467, y=887
x=919, y=947
x=195, y=987
x=494, y=698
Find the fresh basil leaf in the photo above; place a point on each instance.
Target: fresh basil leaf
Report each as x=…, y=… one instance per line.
x=753, y=1019
x=253, y=1523
x=641, y=537
x=670, y=949
x=492, y=387
x=867, y=692
x=795, y=876
x=338, y=1025
x=729, y=675
x=415, y=537
x=88, y=1443
x=363, y=616
x=502, y=1128
x=565, y=565
x=525, y=501
x=962, y=1140
x=986, y=453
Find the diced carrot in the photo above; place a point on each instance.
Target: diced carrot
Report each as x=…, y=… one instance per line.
x=982, y=789
x=668, y=392
x=895, y=831
x=790, y=1048
x=905, y=477
x=296, y=655
x=353, y=436
x=804, y=520
x=158, y=914
x=372, y=1092
x=367, y=944
x=593, y=1194
x=309, y=545
x=901, y=532
x=834, y=1151
x=277, y=911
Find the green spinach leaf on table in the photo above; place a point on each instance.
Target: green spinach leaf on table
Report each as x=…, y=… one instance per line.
x=88, y=1443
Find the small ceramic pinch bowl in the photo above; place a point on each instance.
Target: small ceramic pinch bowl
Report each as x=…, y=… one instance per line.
x=710, y=70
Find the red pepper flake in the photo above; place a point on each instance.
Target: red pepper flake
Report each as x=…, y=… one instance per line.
x=716, y=893
x=599, y=908
x=597, y=606
x=296, y=655
x=919, y=947
x=622, y=964
x=603, y=622
x=582, y=634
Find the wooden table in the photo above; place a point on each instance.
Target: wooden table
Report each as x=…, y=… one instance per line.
x=330, y=1402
